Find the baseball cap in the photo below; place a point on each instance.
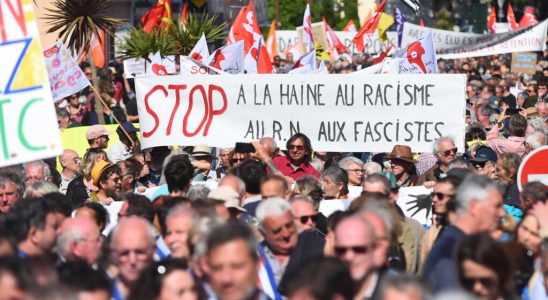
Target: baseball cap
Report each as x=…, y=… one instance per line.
x=484, y=154
x=96, y=131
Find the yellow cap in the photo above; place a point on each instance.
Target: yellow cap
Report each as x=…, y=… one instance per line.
x=98, y=169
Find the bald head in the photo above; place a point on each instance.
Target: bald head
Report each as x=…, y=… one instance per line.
x=233, y=182
x=269, y=145
x=132, y=228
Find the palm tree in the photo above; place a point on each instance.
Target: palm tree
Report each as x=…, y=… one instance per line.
x=78, y=21
x=178, y=39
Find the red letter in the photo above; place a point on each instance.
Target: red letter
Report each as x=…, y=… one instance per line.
x=177, y=88
x=213, y=112
x=147, y=134
x=190, y=104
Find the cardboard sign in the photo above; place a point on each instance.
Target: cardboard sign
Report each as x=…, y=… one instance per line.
x=337, y=112
x=65, y=76
x=524, y=63
x=28, y=124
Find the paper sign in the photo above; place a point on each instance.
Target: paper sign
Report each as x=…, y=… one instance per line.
x=65, y=76
x=416, y=203
x=160, y=66
x=28, y=124
x=524, y=63
x=133, y=67
x=345, y=113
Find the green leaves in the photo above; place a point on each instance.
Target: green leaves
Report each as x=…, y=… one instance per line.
x=79, y=20
x=179, y=39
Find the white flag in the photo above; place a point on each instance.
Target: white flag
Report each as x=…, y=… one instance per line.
x=200, y=50
x=308, y=39
x=229, y=58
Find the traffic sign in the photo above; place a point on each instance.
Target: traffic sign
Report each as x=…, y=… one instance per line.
x=534, y=167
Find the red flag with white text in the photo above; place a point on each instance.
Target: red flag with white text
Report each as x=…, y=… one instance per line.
x=528, y=18
x=237, y=30
x=368, y=29
x=337, y=44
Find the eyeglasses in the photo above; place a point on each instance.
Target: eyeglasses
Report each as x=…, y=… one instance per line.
x=356, y=249
x=479, y=165
x=235, y=160
x=76, y=160
x=449, y=152
x=33, y=179
x=487, y=282
x=304, y=219
x=296, y=147
x=356, y=170
x=440, y=195
x=88, y=73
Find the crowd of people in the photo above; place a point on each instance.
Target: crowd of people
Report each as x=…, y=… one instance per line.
x=258, y=222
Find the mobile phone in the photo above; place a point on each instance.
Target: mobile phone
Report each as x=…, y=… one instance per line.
x=244, y=148
x=512, y=111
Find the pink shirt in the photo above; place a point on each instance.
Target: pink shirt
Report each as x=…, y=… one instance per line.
x=284, y=165
x=512, y=144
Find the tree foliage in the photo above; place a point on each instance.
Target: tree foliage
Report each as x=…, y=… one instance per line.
x=336, y=13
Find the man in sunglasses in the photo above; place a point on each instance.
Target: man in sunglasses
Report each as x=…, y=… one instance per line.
x=305, y=213
x=355, y=245
x=297, y=163
x=445, y=151
x=485, y=161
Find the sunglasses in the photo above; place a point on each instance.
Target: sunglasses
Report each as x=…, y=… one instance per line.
x=449, y=152
x=297, y=147
x=304, y=219
x=356, y=249
x=235, y=160
x=487, y=282
x=479, y=164
x=440, y=195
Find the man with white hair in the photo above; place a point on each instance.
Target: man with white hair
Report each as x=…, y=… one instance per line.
x=132, y=247
x=478, y=209
x=534, y=140
x=178, y=222
x=36, y=171
x=445, y=151
x=79, y=239
x=282, y=248
x=305, y=213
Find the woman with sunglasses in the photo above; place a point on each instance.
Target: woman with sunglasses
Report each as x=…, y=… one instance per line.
x=75, y=109
x=484, y=268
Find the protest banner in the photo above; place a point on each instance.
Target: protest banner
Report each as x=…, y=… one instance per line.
x=451, y=44
x=416, y=203
x=287, y=38
x=28, y=125
x=319, y=34
x=523, y=63
x=65, y=76
x=338, y=112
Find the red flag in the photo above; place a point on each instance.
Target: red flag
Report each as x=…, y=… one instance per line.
x=528, y=18
x=383, y=55
x=264, y=65
x=511, y=18
x=271, y=44
x=184, y=13
x=160, y=14
x=237, y=30
x=339, y=46
x=364, y=35
x=350, y=27
x=492, y=20
x=421, y=23
x=252, y=31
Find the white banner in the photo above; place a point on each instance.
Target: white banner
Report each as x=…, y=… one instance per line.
x=28, y=125
x=337, y=112
x=286, y=38
x=451, y=44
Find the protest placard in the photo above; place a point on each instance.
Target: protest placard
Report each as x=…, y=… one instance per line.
x=28, y=125
x=133, y=67
x=523, y=63
x=416, y=203
x=338, y=112
x=451, y=44
x=65, y=76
